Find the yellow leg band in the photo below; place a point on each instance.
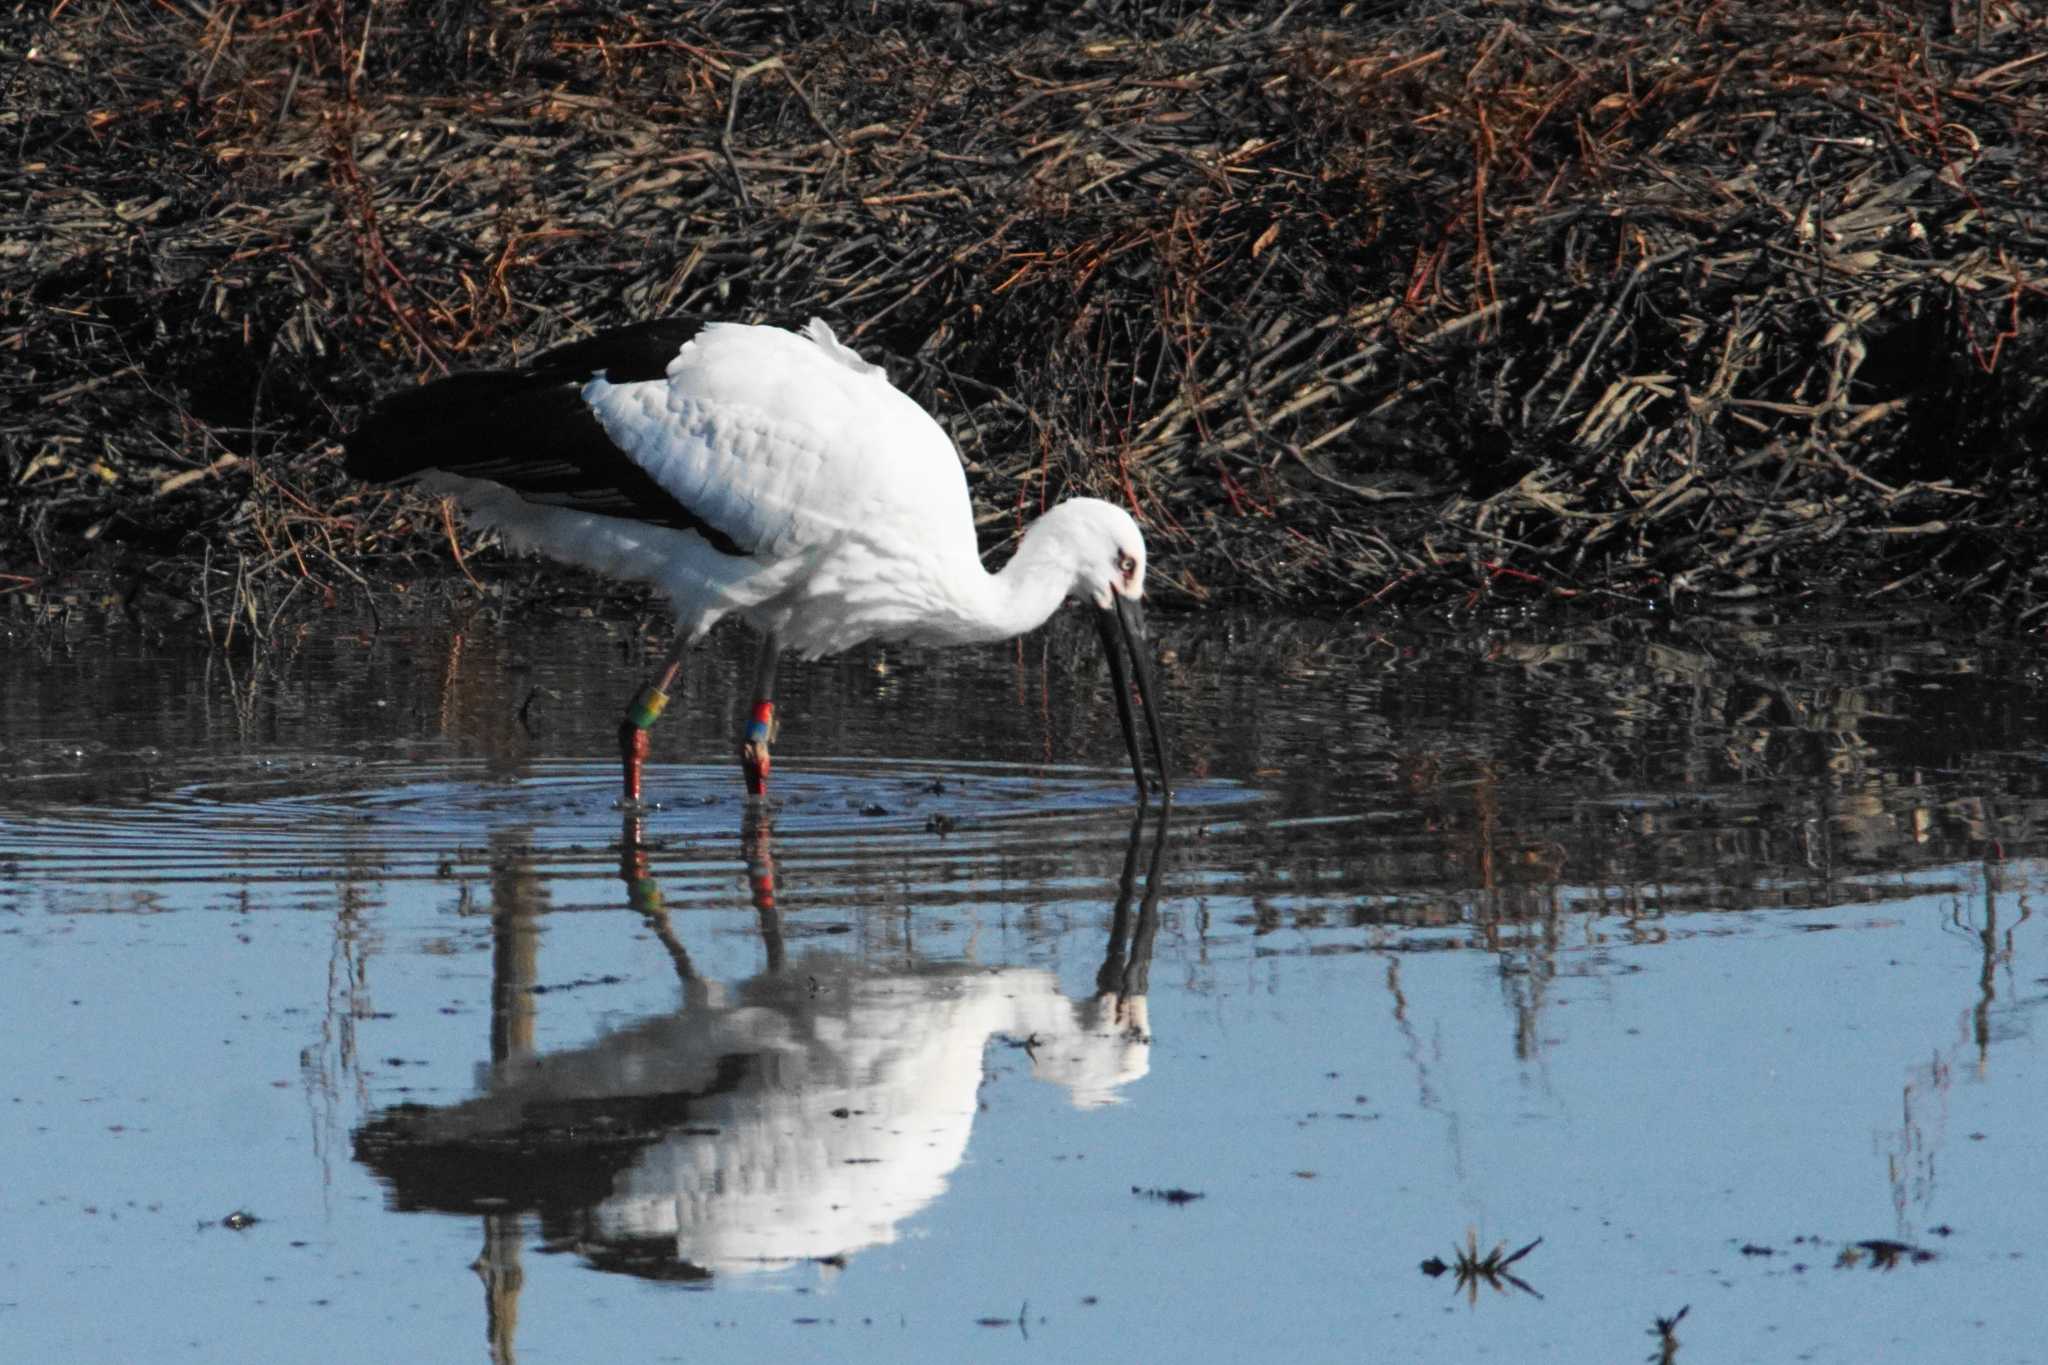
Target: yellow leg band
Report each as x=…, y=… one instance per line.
x=649, y=707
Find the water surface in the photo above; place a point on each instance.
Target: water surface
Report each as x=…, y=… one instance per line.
x=1705, y=954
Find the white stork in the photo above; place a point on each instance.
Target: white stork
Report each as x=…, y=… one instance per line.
x=752, y=471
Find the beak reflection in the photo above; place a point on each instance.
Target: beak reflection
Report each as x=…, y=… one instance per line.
x=1125, y=618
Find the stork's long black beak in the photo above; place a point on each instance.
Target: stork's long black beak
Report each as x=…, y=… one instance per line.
x=1125, y=616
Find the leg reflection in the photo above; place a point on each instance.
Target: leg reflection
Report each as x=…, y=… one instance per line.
x=643, y=889
x=757, y=845
x=643, y=893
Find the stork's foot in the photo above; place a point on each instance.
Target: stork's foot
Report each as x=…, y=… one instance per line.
x=754, y=763
x=632, y=755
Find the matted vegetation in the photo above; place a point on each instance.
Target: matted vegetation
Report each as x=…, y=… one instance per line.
x=1354, y=303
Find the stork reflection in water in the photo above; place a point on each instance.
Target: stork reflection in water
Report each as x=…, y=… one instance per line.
x=800, y=1115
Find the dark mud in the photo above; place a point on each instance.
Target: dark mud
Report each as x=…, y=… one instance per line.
x=1405, y=304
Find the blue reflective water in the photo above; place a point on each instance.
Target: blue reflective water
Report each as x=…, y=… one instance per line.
x=1702, y=958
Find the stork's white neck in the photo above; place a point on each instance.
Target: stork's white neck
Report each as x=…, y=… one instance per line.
x=1044, y=572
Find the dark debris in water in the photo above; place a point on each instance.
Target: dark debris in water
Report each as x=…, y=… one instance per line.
x=606, y=980
x=1883, y=1254
x=1022, y=1322
x=1666, y=1332
x=1027, y=1045
x=1473, y=1269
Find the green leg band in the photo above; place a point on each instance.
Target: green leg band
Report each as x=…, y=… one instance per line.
x=648, y=708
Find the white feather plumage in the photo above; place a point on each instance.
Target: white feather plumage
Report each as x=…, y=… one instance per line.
x=852, y=496
x=751, y=471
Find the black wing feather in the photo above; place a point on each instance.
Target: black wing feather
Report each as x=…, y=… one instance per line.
x=631, y=354
x=530, y=430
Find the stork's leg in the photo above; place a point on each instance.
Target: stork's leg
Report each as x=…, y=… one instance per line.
x=760, y=731
x=645, y=710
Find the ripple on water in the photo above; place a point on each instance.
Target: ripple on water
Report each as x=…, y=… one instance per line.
x=300, y=820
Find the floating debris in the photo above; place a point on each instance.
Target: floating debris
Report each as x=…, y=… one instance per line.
x=1666, y=1330
x=1472, y=1269
x=1884, y=1254
x=1022, y=1322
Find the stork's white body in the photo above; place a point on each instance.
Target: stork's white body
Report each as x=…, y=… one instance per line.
x=850, y=496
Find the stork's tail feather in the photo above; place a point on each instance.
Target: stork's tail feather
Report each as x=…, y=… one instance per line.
x=470, y=420
x=531, y=432
x=463, y=421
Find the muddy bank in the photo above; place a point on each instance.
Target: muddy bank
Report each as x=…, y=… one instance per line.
x=1388, y=304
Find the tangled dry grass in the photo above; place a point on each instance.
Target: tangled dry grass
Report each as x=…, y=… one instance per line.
x=1355, y=304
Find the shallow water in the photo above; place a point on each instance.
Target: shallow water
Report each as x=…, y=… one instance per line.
x=1705, y=955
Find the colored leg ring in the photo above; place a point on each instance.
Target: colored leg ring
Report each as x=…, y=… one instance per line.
x=647, y=708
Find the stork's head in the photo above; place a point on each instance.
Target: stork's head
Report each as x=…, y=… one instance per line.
x=1109, y=550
